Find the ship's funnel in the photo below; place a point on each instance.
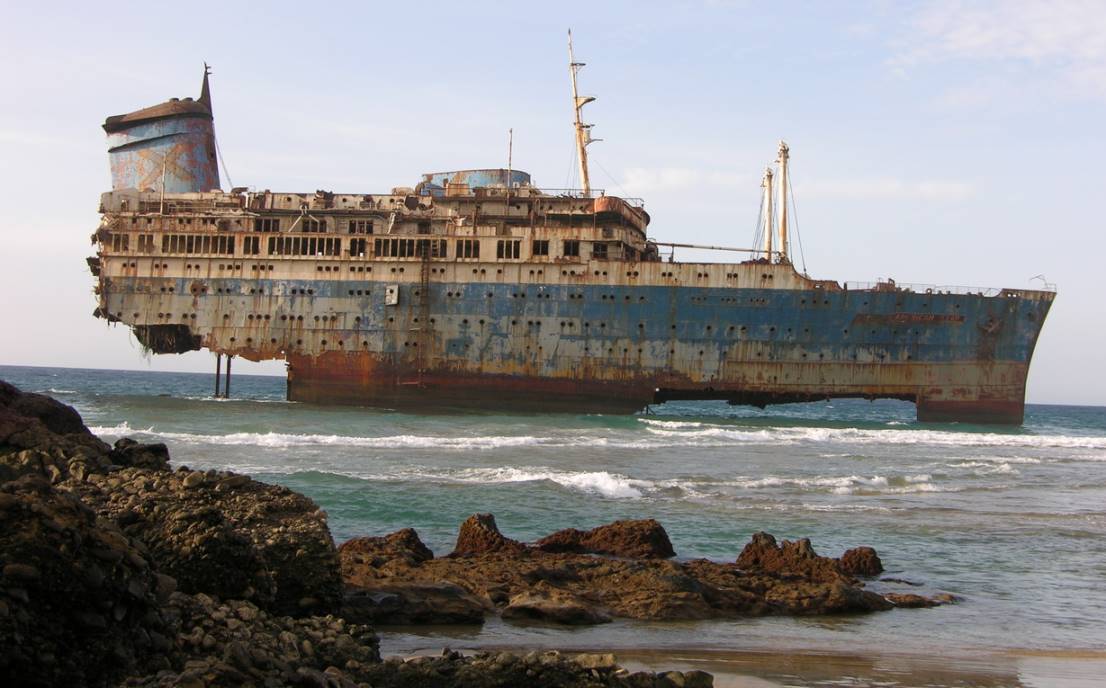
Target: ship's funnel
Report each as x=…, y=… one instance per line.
x=168, y=147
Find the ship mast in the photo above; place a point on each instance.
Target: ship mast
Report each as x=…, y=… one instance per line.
x=769, y=223
x=583, y=131
x=784, y=154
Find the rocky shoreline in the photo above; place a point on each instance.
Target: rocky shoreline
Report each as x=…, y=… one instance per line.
x=116, y=569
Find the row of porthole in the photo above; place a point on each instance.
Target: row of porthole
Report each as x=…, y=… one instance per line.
x=167, y=316
x=299, y=342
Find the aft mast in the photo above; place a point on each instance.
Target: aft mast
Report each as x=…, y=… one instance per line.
x=769, y=219
x=784, y=154
x=583, y=131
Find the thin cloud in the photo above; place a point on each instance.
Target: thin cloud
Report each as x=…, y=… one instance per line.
x=886, y=188
x=1058, y=46
x=644, y=180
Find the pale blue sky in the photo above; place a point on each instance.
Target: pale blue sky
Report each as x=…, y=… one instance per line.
x=951, y=143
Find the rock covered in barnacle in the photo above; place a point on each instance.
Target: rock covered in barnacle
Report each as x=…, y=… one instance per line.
x=215, y=532
x=79, y=601
x=223, y=534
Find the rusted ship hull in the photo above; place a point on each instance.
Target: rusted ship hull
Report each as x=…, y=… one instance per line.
x=613, y=347
x=364, y=379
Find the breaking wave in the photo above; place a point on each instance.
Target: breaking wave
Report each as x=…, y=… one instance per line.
x=693, y=431
x=650, y=434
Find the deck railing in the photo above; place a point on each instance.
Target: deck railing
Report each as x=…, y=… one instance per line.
x=935, y=288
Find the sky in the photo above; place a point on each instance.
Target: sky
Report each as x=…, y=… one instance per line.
x=934, y=142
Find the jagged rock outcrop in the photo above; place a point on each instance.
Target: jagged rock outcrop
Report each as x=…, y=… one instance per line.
x=640, y=539
x=568, y=587
x=480, y=535
x=763, y=554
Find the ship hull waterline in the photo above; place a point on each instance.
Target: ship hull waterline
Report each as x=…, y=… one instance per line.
x=362, y=379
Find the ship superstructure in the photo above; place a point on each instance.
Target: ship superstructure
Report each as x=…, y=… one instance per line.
x=478, y=289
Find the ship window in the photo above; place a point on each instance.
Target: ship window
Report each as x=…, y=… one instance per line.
x=313, y=225
x=571, y=247
x=541, y=247
x=360, y=226
x=266, y=224
x=468, y=248
x=251, y=245
x=121, y=242
x=599, y=250
x=507, y=248
x=357, y=247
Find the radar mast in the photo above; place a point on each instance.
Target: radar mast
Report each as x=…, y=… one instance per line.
x=583, y=131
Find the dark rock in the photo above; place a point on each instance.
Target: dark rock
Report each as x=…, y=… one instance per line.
x=555, y=606
x=409, y=603
x=861, y=561
x=258, y=542
x=480, y=535
x=402, y=543
x=909, y=600
x=795, y=558
x=95, y=628
x=698, y=679
x=641, y=539
x=913, y=601
x=58, y=418
x=128, y=452
x=524, y=580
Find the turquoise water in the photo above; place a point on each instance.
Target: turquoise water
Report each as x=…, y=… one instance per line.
x=1012, y=520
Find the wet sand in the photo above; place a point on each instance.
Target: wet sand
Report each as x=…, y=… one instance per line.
x=734, y=669
x=799, y=667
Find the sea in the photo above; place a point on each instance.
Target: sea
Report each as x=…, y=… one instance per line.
x=1011, y=520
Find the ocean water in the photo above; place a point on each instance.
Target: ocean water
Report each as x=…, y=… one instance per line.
x=1012, y=520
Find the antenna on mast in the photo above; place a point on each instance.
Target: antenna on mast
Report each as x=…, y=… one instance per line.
x=583, y=131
